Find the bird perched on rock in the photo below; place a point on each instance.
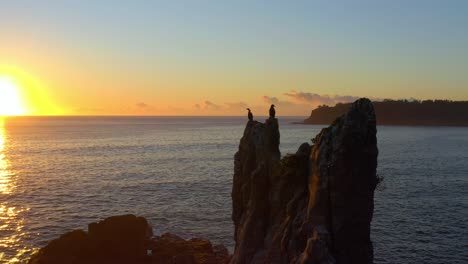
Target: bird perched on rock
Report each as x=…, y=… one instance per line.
x=250, y=115
x=272, y=111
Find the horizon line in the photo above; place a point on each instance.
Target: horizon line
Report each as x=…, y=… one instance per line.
x=15, y=116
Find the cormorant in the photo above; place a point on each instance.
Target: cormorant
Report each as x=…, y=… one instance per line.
x=250, y=115
x=272, y=111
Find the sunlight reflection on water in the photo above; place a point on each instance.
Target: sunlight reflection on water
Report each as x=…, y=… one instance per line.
x=11, y=224
x=5, y=180
x=62, y=173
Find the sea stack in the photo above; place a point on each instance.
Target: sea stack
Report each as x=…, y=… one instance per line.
x=314, y=206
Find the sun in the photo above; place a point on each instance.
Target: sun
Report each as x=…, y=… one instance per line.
x=10, y=101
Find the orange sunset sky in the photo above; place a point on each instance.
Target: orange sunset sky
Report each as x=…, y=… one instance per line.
x=213, y=58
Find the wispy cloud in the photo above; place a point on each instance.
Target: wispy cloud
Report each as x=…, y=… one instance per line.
x=236, y=106
x=270, y=100
x=284, y=107
x=318, y=99
x=211, y=105
x=207, y=105
x=142, y=105
x=292, y=103
x=229, y=108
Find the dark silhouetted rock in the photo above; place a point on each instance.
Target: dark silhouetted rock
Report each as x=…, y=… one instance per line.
x=402, y=113
x=127, y=239
x=170, y=248
x=66, y=249
x=314, y=206
x=117, y=239
x=120, y=237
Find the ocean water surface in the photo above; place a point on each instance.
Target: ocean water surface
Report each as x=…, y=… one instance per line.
x=61, y=173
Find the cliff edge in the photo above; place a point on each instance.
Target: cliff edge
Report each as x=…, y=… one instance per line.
x=314, y=206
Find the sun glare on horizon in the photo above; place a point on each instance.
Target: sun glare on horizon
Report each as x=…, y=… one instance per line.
x=10, y=101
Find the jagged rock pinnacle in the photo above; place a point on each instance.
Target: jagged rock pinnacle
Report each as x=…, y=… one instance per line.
x=314, y=206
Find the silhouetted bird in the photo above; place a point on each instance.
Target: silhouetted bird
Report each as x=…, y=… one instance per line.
x=272, y=110
x=249, y=115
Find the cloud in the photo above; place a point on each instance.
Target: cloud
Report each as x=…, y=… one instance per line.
x=270, y=100
x=236, y=105
x=229, y=108
x=142, y=105
x=211, y=105
x=317, y=99
x=283, y=107
x=143, y=108
x=291, y=103
x=299, y=103
x=225, y=108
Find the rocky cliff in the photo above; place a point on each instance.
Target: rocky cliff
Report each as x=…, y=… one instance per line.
x=314, y=206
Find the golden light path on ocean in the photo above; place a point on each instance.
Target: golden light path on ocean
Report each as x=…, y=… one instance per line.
x=11, y=225
x=5, y=180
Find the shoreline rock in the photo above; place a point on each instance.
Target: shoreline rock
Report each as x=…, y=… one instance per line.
x=127, y=239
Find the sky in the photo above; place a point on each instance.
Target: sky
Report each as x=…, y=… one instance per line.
x=218, y=57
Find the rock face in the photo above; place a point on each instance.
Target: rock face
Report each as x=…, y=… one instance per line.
x=127, y=239
x=314, y=206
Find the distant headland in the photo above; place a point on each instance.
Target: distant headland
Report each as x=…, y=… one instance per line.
x=402, y=112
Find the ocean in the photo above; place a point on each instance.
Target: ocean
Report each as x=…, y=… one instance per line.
x=61, y=173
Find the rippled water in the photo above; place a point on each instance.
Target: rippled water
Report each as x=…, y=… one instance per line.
x=58, y=174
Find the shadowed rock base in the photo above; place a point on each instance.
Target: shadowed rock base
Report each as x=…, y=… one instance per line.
x=314, y=206
x=127, y=239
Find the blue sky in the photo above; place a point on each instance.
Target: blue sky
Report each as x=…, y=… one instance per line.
x=220, y=50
